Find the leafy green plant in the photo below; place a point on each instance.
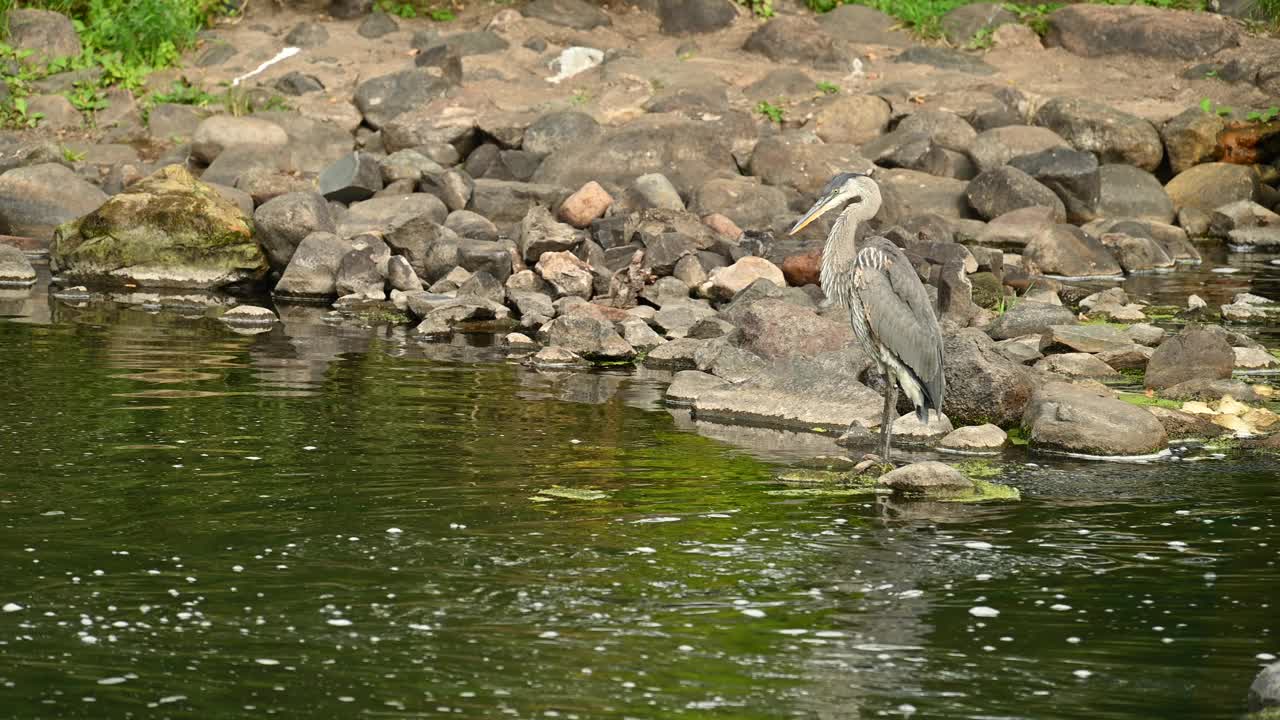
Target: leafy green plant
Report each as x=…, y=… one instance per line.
x=182, y=92
x=1035, y=17
x=771, y=111
x=441, y=15
x=71, y=155
x=982, y=40
x=579, y=97
x=1263, y=116
x=87, y=97
x=1208, y=106
x=17, y=115
x=399, y=9
x=828, y=88
x=761, y=8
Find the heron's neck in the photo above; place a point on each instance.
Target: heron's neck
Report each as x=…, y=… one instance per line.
x=838, y=255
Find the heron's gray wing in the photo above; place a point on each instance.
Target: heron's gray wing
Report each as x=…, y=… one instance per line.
x=899, y=312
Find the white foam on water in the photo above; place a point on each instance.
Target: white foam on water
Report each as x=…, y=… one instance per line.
x=983, y=611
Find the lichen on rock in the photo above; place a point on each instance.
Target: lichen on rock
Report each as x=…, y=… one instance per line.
x=168, y=230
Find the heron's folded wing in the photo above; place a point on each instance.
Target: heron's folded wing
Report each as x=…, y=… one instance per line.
x=900, y=314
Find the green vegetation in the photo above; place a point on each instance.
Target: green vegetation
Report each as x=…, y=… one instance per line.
x=556, y=492
x=71, y=155
x=182, y=92
x=407, y=9
x=1018, y=436
x=828, y=88
x=982, y=40
x=759, y=8
x=985, y=492
x=1208, y=106
x=1144, y=400
x=15, y=114
x=771, y=111
x=1263, y=116
x=979, y=469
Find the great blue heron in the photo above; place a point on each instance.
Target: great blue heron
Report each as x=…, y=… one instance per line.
x=888, y=307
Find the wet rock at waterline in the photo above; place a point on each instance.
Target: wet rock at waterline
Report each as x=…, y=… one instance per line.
x=1075, y=419
x=15, y=269
x=985, y=438
x=169, y=230
x=1264, y=692
x=926, y=479
x=35, y=200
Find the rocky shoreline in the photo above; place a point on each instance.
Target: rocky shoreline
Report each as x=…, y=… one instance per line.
x=643, y=225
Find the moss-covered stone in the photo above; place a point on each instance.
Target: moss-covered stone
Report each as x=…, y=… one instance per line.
x=168, y=230
x=988, y=292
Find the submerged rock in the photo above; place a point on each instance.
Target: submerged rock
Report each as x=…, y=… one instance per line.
x=169, y=230
x=926, y=478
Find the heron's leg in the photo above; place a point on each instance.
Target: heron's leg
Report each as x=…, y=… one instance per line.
x=886, y=421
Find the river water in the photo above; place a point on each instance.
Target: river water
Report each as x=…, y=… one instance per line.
x=327, y=521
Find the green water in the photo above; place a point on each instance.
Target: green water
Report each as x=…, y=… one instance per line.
x=198, y=524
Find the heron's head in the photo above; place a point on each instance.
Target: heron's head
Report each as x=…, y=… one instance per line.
x=856, y=188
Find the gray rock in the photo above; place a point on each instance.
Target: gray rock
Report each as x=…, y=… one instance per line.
x=675, y=355
x=1208, y=390
x=687, y=385
x=475, y=42
x=15, y=269
x=349, y=9
x=850, y=119
x=362, y=271
x=1095, y=30
x=541, y=233
x=945, y=129
x=484, y=285
x=778, y=330
x=1078, y=366
x=747, y=203
x=945, y=59
x=469, y=314
x=282, y=222
x=400, y=275
x=566, y=273
x=1257, y=239
x=820, y=391
x=686, y=17
x=1003, y=189
x=983, y=386
x=961, y=25
x=1114, y=136
x=531, y=303
x=997, y=146
x=217, y=133
x=654, y=190
x=407, y=165
x=687, y=152
x=1212, y=185
x=589, y=337
x=796, y=39
x=1027, y=317
x=1063, y=417
x=1137, y=253
x=383, y=98
x=313, y=269
x=1193, y=354
x=510, y=201
x=1129, y=192
x=169, y=120
x=298, y=83
x=1017, y=228
x=377, y=24
x=675, y=319
x=249, y=316
x=34, y=200
x=1264, y=692
x=559, y=130
x=48, y=35
x=1072, y=175
x=802, y=164
x=1135, y=357
x=862, y=25
x=640, y=335
x=354, y=178
x=1238, y=215
x=307, y=34
x=387, y=214
x=908, y=193
x=1088, y=338
x=929, y=479
x=471, y=225
x=975, y=439
x=1145, y=334
x=1191, y=138
x=442, y=136
x=728, y=361
x=1067, y=251
x=575, y=14
x=908, y=430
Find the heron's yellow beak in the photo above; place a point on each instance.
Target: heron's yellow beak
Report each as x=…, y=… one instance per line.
x=818, y=210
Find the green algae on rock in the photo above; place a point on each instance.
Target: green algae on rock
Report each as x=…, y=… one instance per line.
x=168, y=230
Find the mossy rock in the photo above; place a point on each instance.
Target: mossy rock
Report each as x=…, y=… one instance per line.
x=168, y=230
x=988, y=292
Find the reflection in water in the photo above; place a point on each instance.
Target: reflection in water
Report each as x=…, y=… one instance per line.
x=321, y=521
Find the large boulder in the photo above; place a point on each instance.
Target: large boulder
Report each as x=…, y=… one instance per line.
x=1129, y=192
x=282, y=222
x=1063, y=417
x=802, y=163
x=47, y=34
x=313, y=271
x=747, y=202
x=997, y=146
x=1071, y=174
x=1028, y=317
x=588, y=336
x=684, y=17
x=961, y=25
x=778, y=330
x=1098, y=30
x=1264, y=692
x=168, y=230
x=36, y=199
x=908, y=193
x=575, y=14
x=862, y=25
x=510, y=200
x=983, y=386
x=1068, y=251
x=1004, y=189
x=725, y=282
x=793, y=38
x=15, y=268
x=1191, y=138
x=217, y=133
x=1112, y=135
x=687, y=152
x=930, y=478
x=801, y=393
x=1212, y=185
x=385, y=214
x=1194, y=354
x=381, y=99
x=852, y=119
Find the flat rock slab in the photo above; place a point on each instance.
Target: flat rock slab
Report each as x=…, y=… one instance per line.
x=817, y=393
x=1098, y=30
x=1090, y=338
x=1069, y=418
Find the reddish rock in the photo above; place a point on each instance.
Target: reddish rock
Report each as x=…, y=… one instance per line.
x=585, y=205
x=802, y=269
x=723, y=225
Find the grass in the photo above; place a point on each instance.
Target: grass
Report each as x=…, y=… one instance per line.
x=771, y=111
x=979, y=469
x=828, y=88
x=1144, y=400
